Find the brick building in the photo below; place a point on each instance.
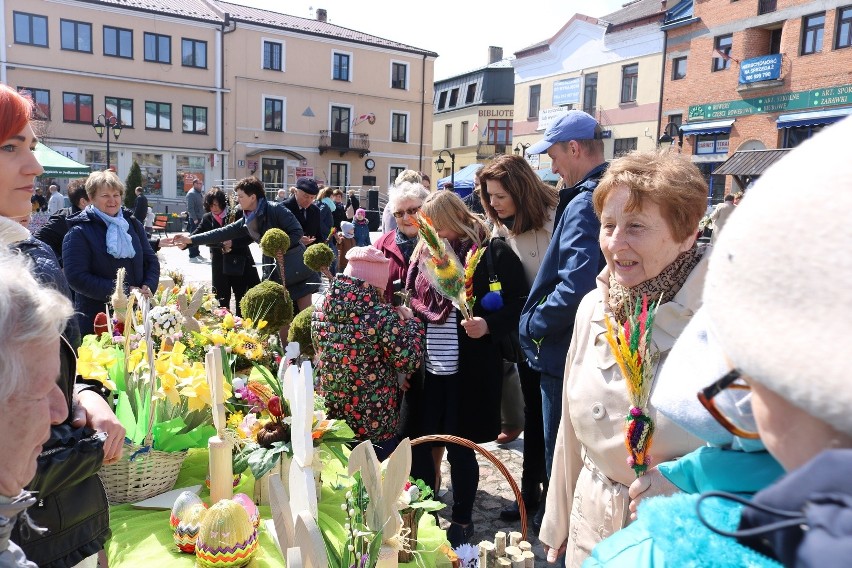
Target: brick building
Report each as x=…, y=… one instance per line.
x=753, y=75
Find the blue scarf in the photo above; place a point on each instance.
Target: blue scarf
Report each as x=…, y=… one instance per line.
x=259, y=210
x=118, y=241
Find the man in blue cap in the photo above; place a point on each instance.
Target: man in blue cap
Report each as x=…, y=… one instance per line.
x=571, y=263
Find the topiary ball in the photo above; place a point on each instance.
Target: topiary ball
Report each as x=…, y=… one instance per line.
x=268, y=301
x=318, y=257
x=274, y=241
x=300, y=330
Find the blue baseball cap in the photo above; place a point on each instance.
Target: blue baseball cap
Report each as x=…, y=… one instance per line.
x=575, y=125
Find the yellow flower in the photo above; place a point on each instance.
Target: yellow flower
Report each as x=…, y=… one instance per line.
x=168, y=388
x=247, y=345
x=228, y=322
x=235, y=419
x=261, y=324
x=93, y=362
x=197, y=393
x=136, y=357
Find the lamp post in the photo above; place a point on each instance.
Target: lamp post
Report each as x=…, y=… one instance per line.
x=671, y=131
x=439, y=165
x=521, y=149
x=104, y=123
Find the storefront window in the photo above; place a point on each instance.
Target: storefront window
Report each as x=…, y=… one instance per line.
x=715, y=183
x=96, y=159
x=711, y=143
x=189, y=168
x=152, y=172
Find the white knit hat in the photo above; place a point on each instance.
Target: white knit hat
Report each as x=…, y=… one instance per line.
x=778, y=293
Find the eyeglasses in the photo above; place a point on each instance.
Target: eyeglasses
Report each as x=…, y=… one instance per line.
x=727, y=402
x=411, y=212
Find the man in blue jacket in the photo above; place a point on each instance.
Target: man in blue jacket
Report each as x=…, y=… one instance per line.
x=571, y=263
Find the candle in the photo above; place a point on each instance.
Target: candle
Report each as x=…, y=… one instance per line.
x=500, y=543
x=518, y=561
x=221, y=460
x=514, y=538
x=512, y=551
x=529, y=559
x=487, y=558
x=524, y=546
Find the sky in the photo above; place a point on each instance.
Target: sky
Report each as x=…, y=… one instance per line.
x=459, y=31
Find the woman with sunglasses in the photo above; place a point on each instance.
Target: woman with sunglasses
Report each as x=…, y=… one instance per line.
x=404, y=201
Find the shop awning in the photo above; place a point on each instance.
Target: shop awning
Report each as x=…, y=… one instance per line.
x=57, y=165
x=255, y=151
x=750, y=162
x=713, y=127
x=813, y=118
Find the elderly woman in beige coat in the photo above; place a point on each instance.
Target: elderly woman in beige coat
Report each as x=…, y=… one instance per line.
x=649, y=205
x=522, y=208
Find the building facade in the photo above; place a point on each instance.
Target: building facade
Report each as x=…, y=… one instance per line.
x=753, y=75
x=473, y=114
x=218, y=91
x=608, y=67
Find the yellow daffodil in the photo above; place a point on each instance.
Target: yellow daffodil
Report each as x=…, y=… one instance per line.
x=93, y=362
x=197, y=393
x=136, y=357
x=261, y=324
x=228, y=322
x=168, y=388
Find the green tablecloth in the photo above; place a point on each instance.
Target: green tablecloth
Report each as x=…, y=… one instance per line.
x=143, y=537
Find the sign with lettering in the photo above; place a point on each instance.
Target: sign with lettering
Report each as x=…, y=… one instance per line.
x=763, y=68
x=566, y=92
x=241, y=163
x=548, y=115
x=67, y=151
x=494, y=113
x=304, y=172
x=803, y=100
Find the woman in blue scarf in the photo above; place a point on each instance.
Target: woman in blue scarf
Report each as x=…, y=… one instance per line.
x=101, y=239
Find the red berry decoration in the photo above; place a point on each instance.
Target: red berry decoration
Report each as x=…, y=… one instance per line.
x=274, y=406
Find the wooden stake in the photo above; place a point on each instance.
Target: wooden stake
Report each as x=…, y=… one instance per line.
x=221, y=452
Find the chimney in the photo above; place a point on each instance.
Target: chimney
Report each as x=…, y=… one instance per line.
x=495, y=54
x=322, y=15
x=662, y=5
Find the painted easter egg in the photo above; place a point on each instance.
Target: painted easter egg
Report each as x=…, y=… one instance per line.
x=182, y=504
x=186, y=531
x=227, y=537
x=250, y=507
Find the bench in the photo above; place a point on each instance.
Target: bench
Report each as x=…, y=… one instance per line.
x=160, y=224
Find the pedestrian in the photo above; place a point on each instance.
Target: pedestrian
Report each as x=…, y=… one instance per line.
x=56, y=201
x=140, y=207
x=720, y=215
x=473, y=200
x=362, y=228
x=302, y=205
x=52, y=232
x=345, y=241
x=194, y=212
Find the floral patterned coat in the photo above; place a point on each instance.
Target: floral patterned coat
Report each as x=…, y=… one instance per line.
x=362, y=344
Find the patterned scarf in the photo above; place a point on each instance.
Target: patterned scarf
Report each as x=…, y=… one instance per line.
x=119, y=243
x=667, y=283
x=405, y=244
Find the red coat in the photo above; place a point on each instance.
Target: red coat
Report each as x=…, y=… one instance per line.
x=398, y=264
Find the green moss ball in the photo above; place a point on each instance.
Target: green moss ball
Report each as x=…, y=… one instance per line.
x=268, y=301
x=273, y=242
x=300, y=331
x=318, y=257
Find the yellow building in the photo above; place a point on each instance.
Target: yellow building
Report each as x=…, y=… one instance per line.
x=219, y=91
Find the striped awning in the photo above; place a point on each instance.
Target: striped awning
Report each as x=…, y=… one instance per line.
x=712, y=127
x=813, y=118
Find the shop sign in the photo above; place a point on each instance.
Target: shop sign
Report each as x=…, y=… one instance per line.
x=763, y=68
x=785, y=102
x=566, y=92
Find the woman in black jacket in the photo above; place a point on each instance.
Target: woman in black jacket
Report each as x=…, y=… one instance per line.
x=231, y=261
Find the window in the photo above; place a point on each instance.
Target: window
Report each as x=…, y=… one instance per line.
x=76, y=36
x=158, y=48
x=499, y=131
x=775, y=41
x=77, y=108
x=454, y=97
x=394, y=173
x=193, y=53
x=590, y=93
x=448, y=135
x=273, y=115
x=844, y=28
x=152, y=171
x=158, y=116
x=624, y=146
x=339, y=174
x=629, y=82
x=121, y=109
x=30, y=29
x=812, y=30
x=341, y=67
x=712, y=143
x=535, y=101
x=463, y=133
x=678, y=68
x=471, y=94
x=676, y=119
x=41, y=99
x=399, y=127
x=399, y=76
x=272, y=56
x=722, y=46
x=442, y=100
x=118, y=42
x=796, y=135
x=194, y=119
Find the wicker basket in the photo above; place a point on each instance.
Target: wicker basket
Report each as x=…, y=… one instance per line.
x=140, y=473
x=490, y=457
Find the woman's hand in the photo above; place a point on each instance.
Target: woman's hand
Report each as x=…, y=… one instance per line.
x=144, y=290
x=166, y=242
x=227, y=246
x=475, y=327
x=652, y=484
x=93, y=411
x=306, y=240
x=553, y=554
x=405, y=312
x=182, y=241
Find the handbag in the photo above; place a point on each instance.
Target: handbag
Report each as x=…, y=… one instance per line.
x=233, y=264
x=510, y=343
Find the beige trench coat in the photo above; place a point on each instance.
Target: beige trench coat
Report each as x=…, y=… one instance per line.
x=529, y=246
x=587, y=499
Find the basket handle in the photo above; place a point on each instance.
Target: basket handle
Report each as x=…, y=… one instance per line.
x=490, y=457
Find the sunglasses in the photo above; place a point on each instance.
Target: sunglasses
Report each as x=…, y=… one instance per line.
x=411, y=211
x=731, y=384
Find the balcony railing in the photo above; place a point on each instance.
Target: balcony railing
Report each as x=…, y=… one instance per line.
x=766, y=6
x=344, y=142
x=488, y=151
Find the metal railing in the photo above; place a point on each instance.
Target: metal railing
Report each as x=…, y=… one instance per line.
x=344, y=142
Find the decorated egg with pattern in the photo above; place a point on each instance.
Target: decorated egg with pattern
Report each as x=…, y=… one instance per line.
x=250, y=507
x=227, y=537
x=182, y=504
x=186, y=531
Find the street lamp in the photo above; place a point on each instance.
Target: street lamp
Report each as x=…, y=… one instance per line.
x=521, y=149
x=439, y=165
x=111, y=123
x=671, y=131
